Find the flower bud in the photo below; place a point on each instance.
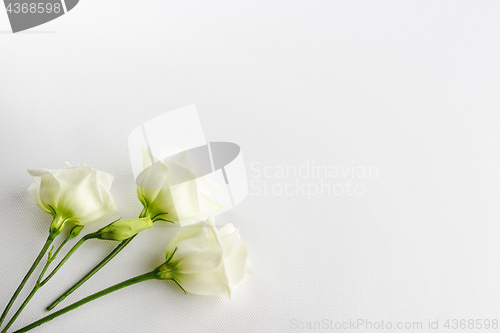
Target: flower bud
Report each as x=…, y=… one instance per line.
x=121, y=230
x=75, y=231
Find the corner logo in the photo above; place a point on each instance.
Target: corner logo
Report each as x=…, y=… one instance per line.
x=26, y=14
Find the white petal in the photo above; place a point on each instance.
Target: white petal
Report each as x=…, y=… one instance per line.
x=106, y=211
x=197, y=244
x=206, y=283
x=71, y=177
x=189, y=202
x=199, y=262
x=170, y=187
x=83, y=199
x=37, y=174
x=210, y=220
x=105, y=179
x=189, y=240
x=161, y=204
x=109, y=202
x=230, y=241
x=227, y=229
x=185, y=200
x=49, y=190
x=207, y=205
x=151, y=184
x=146, y=157
x=236, y=263
x=34, y=191
x=96, y=216
x=176, y=174
x=196, y=249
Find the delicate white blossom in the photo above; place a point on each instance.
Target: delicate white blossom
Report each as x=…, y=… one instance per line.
x=170, y=190
x=77, y=194
x=204, y=261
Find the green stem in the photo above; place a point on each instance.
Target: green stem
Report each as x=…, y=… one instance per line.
x=39, y=282
x=49, y=241
x=52, y=257
x=117, y=250
x=137, y=279
x=66, y=257
x=21, y=308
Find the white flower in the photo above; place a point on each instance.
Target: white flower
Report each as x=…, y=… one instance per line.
x=171, y=191
x=204, y=261
x=77, y=194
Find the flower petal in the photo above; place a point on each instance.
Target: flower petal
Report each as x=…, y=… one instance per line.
x=236, y=263
x=199, y=262
x=226, y=230
x=107, y=209
x=83, y=199
x=171, y=188
x=206, y=283
x=49, y=190
x=34, y=191
x=230, y=241
x=37, y=174
x=190, y=241
x=105, y=179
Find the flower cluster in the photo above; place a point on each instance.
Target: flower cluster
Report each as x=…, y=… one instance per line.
x=200, y=259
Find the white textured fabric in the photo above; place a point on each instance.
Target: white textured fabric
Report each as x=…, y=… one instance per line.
x=410, y=88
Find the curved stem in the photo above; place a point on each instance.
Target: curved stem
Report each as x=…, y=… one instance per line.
x=52, y=257
x=117, y=250
x=137, y=279
x=66, y=257
x=39, y=282
x=21, y=308
x=49, y=241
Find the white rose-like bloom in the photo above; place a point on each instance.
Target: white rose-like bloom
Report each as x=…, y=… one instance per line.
x=171, y=191
x=77, y=194
x=204, y=261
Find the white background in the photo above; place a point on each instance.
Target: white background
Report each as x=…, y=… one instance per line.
x=411, y=87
